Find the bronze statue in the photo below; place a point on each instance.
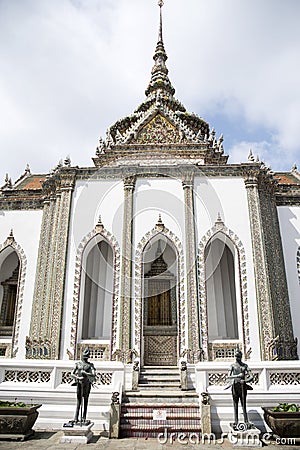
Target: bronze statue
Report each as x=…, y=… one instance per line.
x=84, y=374
x=239, y=375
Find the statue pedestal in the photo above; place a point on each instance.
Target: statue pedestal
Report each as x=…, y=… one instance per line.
x=77, y=434
x=244, y=438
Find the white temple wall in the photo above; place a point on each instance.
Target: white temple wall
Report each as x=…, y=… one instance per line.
x=152, y=197
x=26, y=226
x=289, y=222
x=158, y=196
x=91, y=199
x=228, y=197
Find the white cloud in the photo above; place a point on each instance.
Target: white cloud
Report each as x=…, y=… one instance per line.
x=70, y=68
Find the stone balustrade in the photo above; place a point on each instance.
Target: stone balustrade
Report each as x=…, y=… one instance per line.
x=49, y=382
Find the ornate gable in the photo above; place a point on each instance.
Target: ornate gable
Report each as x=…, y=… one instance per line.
x=159, y=130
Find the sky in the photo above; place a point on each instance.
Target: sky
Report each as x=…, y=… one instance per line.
x=69, y=69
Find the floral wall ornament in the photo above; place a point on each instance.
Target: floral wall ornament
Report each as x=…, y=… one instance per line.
x=159, y=131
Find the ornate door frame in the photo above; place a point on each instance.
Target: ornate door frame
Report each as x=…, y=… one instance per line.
x=159, y=229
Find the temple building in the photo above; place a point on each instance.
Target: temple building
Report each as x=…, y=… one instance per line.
x=161, y=256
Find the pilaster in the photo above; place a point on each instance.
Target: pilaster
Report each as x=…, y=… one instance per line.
x=44, y=338
x=275, y=325
x=60, y=261
x=193, y=350
x=126, y=268
x=283, y=345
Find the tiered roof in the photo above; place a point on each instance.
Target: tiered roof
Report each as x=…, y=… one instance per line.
x=161, y=127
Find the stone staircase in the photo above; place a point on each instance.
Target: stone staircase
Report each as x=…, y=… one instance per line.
x=157, y=377
x=159, y=394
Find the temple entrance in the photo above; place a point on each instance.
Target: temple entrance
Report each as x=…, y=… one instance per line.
x=160, y=304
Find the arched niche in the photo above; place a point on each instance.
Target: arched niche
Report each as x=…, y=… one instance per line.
x=9, y=279
x=96, y=291
x=97, y=272
x=230, y=261
x=142, y=265
x=221, y=289
x=12, y=281
x=160, y=300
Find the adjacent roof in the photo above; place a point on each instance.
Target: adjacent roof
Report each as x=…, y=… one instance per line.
x=287, y=178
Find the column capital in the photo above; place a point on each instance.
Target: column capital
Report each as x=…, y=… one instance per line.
x=251, y=180
x=187, y=180
x=129, y=182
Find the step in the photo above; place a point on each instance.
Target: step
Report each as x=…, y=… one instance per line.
x=153, y=434
x=169, y=376
x=184, y=412
x=151, y=386
x=137, y=419
x=160, y=367
x=160, y=371
x=160, y=396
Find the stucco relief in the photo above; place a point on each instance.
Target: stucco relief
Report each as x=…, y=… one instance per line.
x=111, y=240
x=220, y=227
x=10, y=242
x=159, y=229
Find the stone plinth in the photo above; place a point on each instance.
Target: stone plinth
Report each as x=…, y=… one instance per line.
x=244, y=437
x=205, y=419
x=77, y=434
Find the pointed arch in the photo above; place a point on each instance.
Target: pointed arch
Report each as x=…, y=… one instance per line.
x=220, y=227
x=11, y=242
x=99, y=230
x=159, y=229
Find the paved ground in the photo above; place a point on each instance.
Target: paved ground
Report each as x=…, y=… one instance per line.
x=46, y=440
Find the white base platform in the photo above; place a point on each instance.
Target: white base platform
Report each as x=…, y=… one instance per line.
x=245, y=438
x=77, y=434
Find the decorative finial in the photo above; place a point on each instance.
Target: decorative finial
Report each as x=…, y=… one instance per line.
x=158, y=250
x=11, y=237
x=160, y=224
x=100, y=150
x=159, y=74
x=27, y=170
x=219, y=220
x=99, y=225
x=250, y=156
x=8, y=182
x=160, y=4
x=294, y=167
x=67, y=161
